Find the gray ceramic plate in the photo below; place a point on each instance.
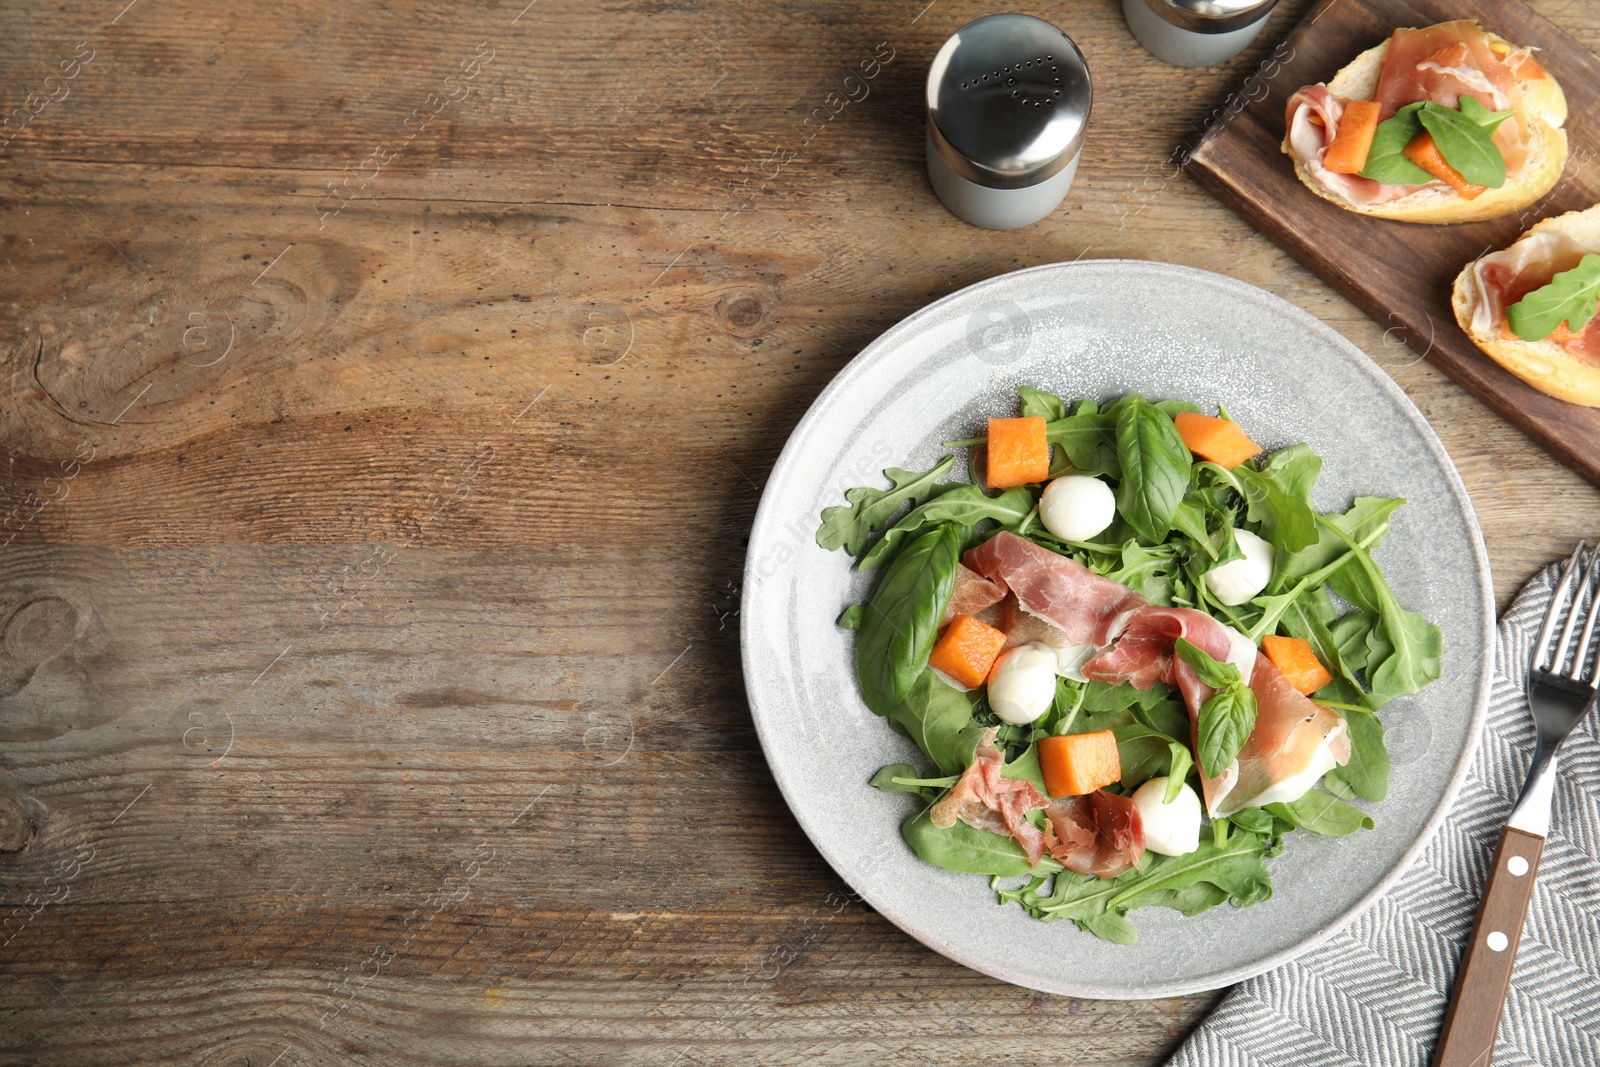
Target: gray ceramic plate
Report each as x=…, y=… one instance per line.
x=1102, y=329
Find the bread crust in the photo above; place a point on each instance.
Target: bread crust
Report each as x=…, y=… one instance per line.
x=1542, y=110
x=1545, y=365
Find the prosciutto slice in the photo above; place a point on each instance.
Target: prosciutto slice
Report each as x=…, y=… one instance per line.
x=1291, y=733
x=974, y=595
x=1088, y=608
x=1313, y=121
x=984, y=798
x=1505, y=277
x=1100, y=834
x=1450, y=60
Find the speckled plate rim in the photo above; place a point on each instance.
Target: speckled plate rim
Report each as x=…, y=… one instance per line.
x=885, y=346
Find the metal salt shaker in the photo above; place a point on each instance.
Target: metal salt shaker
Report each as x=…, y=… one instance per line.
x=1196, y=33
x=1008, y=103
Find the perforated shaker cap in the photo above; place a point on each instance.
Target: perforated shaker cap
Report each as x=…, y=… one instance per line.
x=1008, y=101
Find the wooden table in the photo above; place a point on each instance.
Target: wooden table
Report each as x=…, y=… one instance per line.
x=391, y=388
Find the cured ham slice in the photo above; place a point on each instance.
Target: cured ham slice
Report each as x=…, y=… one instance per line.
x=1505, y=277
x=1445, y=62
x=984, y=798
x=1100, y=834
x=974, y=595
x=1090, y=609
x=1292, y=735
x=1312, y=120
x=1294, y=738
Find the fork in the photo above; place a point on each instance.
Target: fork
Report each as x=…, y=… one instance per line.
x=1558, y=697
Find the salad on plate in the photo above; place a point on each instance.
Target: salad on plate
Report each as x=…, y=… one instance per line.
x=1133, y=654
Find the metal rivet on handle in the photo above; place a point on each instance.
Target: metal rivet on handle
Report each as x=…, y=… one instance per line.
x=1517, y=866
x=1498, y=941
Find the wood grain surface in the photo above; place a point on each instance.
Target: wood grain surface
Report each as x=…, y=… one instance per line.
x=390, y=390
x=1402, y=273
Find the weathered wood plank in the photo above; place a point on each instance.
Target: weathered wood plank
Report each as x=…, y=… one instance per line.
x=304, y=623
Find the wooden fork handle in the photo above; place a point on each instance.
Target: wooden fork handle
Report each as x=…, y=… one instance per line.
x=1470, y=1024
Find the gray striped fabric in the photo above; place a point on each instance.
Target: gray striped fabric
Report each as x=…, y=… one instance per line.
x=1375, y=994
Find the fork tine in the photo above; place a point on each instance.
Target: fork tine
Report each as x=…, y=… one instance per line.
x=1581, y=658
x=1553, y=612
x=1579, y=594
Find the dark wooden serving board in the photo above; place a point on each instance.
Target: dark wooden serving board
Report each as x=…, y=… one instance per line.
x=1401, y=273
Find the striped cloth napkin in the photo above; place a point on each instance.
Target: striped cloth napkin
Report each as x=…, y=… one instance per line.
x=1376, y=993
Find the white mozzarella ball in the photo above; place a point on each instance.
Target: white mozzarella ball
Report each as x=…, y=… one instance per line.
x=1241, y=580
x=1077, y=507
x=1241, y=653
x=1022, y=683
x=1170, y=829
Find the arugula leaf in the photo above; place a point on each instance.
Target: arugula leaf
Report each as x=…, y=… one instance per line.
x=901, y=618
x=1570, y=297
x=1084, y=900
x=1480, y=115
x=1147, y=571
x=1308, y=618
x=1405, y=651
x=1087, y=438
x=1155, y=468
x=852, y=524
x=1466, y=144
x=965, y=505
x=1279, y=497
x=1323, y=814
x=938, y=718
x=1384, y=162
x=1366, y=775
x=1146, y=753
x=1211, y=672
x=1225, y=722
x=1368, y=517
x=1037, y=402
x=969, y=850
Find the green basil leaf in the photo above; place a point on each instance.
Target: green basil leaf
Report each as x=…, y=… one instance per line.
x=901, y=619
x=1037, y=402
x=1384, y=162
x=1570, y=297
x=902, y=778
x=1323, y=814
x=1225, y=723
x=851, y=525
x=1465, y=145
x=850, y=617
x=1155, y=468
x=964, y=505
x=1211, y=672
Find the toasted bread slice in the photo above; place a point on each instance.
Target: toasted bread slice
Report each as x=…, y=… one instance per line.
x=1545, y=365
x=1542, y=111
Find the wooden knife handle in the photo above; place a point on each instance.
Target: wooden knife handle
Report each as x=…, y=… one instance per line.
x=1470, y=1025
